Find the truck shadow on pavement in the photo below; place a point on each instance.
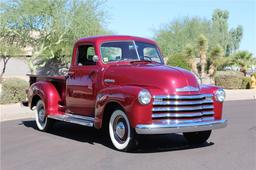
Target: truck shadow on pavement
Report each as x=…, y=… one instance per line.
x=146, y=144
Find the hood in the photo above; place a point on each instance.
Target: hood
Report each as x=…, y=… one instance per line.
x=155, y=76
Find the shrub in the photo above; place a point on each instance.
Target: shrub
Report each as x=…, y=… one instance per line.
x=246, y=83
x=179, y=60
x=254, y=74
x=13, y=91
x=229, y=79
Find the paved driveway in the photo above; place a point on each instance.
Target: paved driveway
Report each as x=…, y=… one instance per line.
x=76, y=147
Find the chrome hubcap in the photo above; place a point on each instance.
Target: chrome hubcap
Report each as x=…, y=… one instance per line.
x=120, y=130
x=41, y=115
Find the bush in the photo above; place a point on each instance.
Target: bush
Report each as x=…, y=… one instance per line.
x=254, y=74
x=179, y=60
x=229, y=79
x=13, y=91
x=246, y=83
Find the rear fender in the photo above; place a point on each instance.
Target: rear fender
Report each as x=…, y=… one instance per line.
x=127, y=98
x=48, y=93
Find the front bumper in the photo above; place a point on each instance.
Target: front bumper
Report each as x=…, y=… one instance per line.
x=165, y=128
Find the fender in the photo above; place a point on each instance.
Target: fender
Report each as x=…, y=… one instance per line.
x=48, y=93
x=127, y=98
x=209, y=89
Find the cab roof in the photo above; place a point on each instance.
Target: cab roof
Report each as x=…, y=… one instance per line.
x=104, y=38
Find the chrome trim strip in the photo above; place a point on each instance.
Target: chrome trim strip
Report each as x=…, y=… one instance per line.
x=166, y=128
x=199, y=96
x=109, y=80
x=80, y=117
x=182, y=102
x=159, y=109
x=178, y=115
x=76, y=119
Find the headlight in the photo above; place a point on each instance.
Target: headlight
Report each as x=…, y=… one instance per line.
x=220, y=95
x=144, y=96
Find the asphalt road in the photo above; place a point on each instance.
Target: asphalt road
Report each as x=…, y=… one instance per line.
x=76, y=147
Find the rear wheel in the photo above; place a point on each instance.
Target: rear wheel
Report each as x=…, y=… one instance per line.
x=120, y=131
x=197, y=137
x=42, y=121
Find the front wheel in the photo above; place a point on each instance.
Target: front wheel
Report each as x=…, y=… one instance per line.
x=120, y=131
x=197, y=137
x=42, y=121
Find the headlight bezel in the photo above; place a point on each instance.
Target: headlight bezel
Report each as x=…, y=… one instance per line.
x=144, y=97
x=220, y=95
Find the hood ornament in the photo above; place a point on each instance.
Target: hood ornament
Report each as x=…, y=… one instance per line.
x=187, y=89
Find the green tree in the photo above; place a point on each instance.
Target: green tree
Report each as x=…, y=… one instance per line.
x=220, y=33
x=174, y=36
x=178, y=60
x=244, y=60
x=10, y=45
x=235, y=39
x=51, y=27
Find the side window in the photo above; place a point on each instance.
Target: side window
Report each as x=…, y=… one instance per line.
x=85, y=55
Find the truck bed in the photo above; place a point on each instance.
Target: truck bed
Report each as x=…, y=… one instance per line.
x=58, y=81
x=34, y=78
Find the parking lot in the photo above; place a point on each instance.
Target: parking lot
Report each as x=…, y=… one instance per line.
x=75, y=147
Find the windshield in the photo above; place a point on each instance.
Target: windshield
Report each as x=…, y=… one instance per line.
x=125, y=50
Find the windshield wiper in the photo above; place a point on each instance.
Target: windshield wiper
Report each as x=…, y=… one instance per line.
x=141, y=61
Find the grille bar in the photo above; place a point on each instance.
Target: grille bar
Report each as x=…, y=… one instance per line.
x=189, y=108
x=182, y=115
x=182, y=102
x=199, y=96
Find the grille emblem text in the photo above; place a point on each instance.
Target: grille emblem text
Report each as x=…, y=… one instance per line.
x=187, y=88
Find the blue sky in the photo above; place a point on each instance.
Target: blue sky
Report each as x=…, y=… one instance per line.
x=143, y=17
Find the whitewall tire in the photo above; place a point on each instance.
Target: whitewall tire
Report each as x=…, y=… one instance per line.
x=42, y=121
x=120, y=131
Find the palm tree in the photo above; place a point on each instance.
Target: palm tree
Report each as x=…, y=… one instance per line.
x=202, y=44
x=244, y=60
x=190, y=54
x=216, y=59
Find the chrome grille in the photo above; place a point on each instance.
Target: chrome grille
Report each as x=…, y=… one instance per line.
x=178, y=107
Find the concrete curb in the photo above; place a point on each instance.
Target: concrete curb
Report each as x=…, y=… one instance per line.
x=240, y=94
x=15, y=111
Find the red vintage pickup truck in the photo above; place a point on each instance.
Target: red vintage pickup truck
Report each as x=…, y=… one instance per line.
x=122, y=84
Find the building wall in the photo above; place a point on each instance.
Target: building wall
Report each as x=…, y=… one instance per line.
x=16, y=67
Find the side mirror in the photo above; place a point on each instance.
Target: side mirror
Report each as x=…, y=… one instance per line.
x=95, y=58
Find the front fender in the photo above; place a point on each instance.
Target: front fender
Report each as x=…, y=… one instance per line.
x=127, y=97
x=48, y=93
x=209, y=89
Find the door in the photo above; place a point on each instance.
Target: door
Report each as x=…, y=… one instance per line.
x=81, y=82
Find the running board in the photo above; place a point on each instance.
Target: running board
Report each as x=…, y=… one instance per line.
x=76, y=119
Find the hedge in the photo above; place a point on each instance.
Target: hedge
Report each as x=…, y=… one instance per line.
x=231, y=80
x=13, y=91
x=246, y=83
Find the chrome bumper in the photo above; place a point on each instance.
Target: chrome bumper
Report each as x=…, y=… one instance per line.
x=165, y=128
